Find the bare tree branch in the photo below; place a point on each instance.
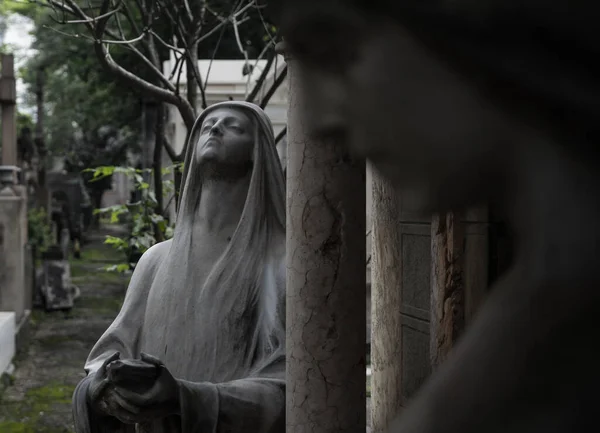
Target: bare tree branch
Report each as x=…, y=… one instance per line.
x=165, y=44
x=188, y=10
x=280, y=136
x=169, y=149
x=116, y=22
x=274, y=88
x=124, y=42
x=129, y=16
x=191, y=62
x=98, y=27
x=263, y=76
x=95, y=19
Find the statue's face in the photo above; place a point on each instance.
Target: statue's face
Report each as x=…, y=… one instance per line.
x=226, y=137
x=378, y=89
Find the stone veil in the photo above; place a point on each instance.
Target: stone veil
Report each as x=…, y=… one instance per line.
x=223, y=339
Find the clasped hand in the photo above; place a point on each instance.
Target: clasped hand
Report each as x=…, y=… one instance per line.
x=135, y=398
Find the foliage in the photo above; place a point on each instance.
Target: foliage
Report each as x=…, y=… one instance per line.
x=133, y=39
x=100, y=62
x=24, y=121
x=16, y=7
x=81, y=99
x=148, y=225
x=39, y=229
x=9, y=7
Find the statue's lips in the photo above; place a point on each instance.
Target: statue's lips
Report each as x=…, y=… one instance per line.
x=213, y=142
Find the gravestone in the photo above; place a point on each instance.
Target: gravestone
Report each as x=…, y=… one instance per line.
x=13, y=239
x=7, y=340
x=72, y=205
x=56, y=280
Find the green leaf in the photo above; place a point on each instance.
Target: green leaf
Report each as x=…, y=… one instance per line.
x=123, y=267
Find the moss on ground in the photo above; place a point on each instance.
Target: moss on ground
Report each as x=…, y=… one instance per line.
x=101, y=305
x=45, y=408
x=29, y=412
x=99, y=253
x=51, y=394
x=90, y=267
x=97, y=275
x=51, y=341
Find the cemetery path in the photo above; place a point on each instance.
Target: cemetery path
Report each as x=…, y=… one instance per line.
x=39, y=399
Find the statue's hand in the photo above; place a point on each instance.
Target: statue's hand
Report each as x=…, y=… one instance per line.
x=148, y=402
x=99, y=384
x=132, y=374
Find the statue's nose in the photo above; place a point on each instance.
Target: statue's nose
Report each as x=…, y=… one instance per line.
x=216, y=129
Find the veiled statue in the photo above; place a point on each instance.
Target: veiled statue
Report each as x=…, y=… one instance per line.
x=199, y=344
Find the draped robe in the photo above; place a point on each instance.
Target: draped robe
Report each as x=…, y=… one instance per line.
x=223, y=339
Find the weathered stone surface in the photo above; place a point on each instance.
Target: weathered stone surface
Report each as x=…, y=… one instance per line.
x=326, y=323
x=7, y=339
x=13, y=238
x=386, y=318
x=56, y=283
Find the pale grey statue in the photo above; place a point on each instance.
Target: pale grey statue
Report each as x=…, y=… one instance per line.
x=199, y=344
x=461, y=103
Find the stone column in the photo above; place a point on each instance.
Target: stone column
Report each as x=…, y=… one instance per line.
x=459, y=275
x=386, y=317
x=8, y=100
x=13, y=237
x=447, y=284
x=326, y=299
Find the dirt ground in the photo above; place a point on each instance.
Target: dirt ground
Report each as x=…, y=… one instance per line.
x=39, y=399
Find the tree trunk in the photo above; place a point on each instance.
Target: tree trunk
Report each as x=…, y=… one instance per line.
x=96, y=196
x=157, y=166
x=39, y=133
x=386, y=318
x=326, y=309
x=149, y=119
x=192, y=80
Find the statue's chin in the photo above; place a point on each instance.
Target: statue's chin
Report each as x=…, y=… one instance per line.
x=208, y=156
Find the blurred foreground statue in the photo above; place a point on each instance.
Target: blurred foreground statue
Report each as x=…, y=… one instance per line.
x=199, y=344
x=468, y=102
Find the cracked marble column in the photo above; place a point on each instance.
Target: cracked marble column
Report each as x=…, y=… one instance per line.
x=326, y=287
x=386, y=304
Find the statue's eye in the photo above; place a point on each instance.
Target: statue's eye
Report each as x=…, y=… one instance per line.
x=237, y=129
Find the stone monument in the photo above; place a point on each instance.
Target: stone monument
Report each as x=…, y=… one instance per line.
x=56, y=288
x=13, y=240
x=462, y=103
x=199, y=344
